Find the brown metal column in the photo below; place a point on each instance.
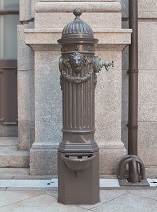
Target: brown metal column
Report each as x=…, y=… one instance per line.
x=133, y=79
x=78, y=153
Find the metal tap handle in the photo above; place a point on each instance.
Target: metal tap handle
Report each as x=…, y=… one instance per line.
x=99, y=63
x=107, y=64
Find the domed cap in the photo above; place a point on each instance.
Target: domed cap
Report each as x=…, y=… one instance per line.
x=78, y=30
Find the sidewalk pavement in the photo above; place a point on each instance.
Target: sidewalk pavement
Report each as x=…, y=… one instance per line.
x=45, y=200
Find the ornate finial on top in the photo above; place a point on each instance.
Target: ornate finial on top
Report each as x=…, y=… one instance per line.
x=77, y=12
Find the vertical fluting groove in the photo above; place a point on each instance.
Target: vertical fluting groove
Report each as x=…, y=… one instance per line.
x=78, y=105
x=81, y=98
x=64, y=94
x=91, y=95
x=86, y=102
x=84, y=105
x=70, y=101
x=87, y=83
x=63, y=100
x=74, y=105
x=92, y=111
x=88, y=97
x=82, y=111
x=67, y=101
x=93, y=102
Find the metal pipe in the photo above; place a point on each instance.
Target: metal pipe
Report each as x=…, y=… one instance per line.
x=136, y=174
x=133, y=79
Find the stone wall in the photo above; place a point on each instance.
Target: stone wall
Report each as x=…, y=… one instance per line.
x=147, y=125
x=42, y=39
x=40, y=119
x=25, y=75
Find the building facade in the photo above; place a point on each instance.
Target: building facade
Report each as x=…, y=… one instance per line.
x=30, y=106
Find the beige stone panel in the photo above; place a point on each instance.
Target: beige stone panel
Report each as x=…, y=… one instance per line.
x=147, y=96
x=24, y=53
x=25, y=10
x=147, y=145
x=105, y=20
x=33, y=3
x=80, y=0
x=24, y=103
x=43, y=160
x=147, y=8
x=110, y=156
x=46, y=38
x=108, y=99
x=49, y=7
x=14, y=158
x=25, y=90
x=147, y=45
x=48, y=122
x=125, y=133
x=108, y=113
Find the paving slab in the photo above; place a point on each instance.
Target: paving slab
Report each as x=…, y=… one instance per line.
x=146, y=193
x=142, y=200
x=106, y=196
x=128, y=203
x=10, y=197
x=42, y=203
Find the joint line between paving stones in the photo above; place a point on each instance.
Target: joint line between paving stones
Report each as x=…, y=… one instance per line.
x=102, y=203
x=21, y=201
x=141, y=196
